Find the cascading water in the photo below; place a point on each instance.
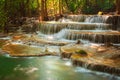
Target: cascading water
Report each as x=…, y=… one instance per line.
x=92, y=28
x=55, y=36
x=88, y=18
x=96, y=19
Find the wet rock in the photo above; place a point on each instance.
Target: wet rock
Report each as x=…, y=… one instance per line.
x=2, y=42
x=103, y=59
x=31, y=55
x=65, y=55
x=95, y=19
x=101, y=49
x=98, y=37
x=78, y=42
x=115, y=21
x=106, y=59
x=19, y=49
x=1, y=52
x=3, y=35
x=96, y=66
x=73, y=50
x=108, y=44
x=81, y=52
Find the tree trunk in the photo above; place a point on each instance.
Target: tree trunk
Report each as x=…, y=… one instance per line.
x=42, y=10
x=60, y=6
x=5, y=28
x=118, y=6
x=28, y=12
x=38, y=7
x=44, y=14
x=22, y=9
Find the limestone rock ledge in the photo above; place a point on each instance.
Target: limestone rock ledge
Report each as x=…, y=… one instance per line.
x=104, y=65
x=106, y=60
x=21, y=50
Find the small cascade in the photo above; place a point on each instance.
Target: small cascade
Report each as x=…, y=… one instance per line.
x=55, y=36
x=97, y=67
x=115, y=21
x=77, y=18
x=88, y=18
x=96, y=19
x=51, y=27
x=97, y=37
x=88, y=26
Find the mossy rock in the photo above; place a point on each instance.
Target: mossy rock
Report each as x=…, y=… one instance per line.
x=81, y=52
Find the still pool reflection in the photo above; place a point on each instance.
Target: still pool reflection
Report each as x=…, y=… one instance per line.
x=45, y=68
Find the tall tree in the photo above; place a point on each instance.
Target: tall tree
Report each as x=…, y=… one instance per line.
x=44, y=14
x=60, y=6
x=118, y=6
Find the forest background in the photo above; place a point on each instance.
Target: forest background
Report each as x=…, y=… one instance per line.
x=44, y=9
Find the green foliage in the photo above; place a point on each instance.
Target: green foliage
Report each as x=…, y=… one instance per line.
x=73, y=5
x=105, y=6
x=90, y=6
x=81, y=52
x=109, y=5
x=3, y=17
x=11, y=9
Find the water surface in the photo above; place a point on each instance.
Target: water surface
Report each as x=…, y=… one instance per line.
x=45, y=68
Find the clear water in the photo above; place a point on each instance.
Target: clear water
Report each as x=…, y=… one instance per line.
x=46, y=68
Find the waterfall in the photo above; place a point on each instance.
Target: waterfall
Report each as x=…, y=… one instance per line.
x=55, y=36
x=50, y=28
x=77, y=18
x=87, y=27
x=88, y=18
x=96, y=19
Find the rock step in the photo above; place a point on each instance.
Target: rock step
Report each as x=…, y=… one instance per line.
x=110, y=19
x=54, y=27
x=88, y=18
x=98, y=37
x=94, y=61
x=97, y=67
